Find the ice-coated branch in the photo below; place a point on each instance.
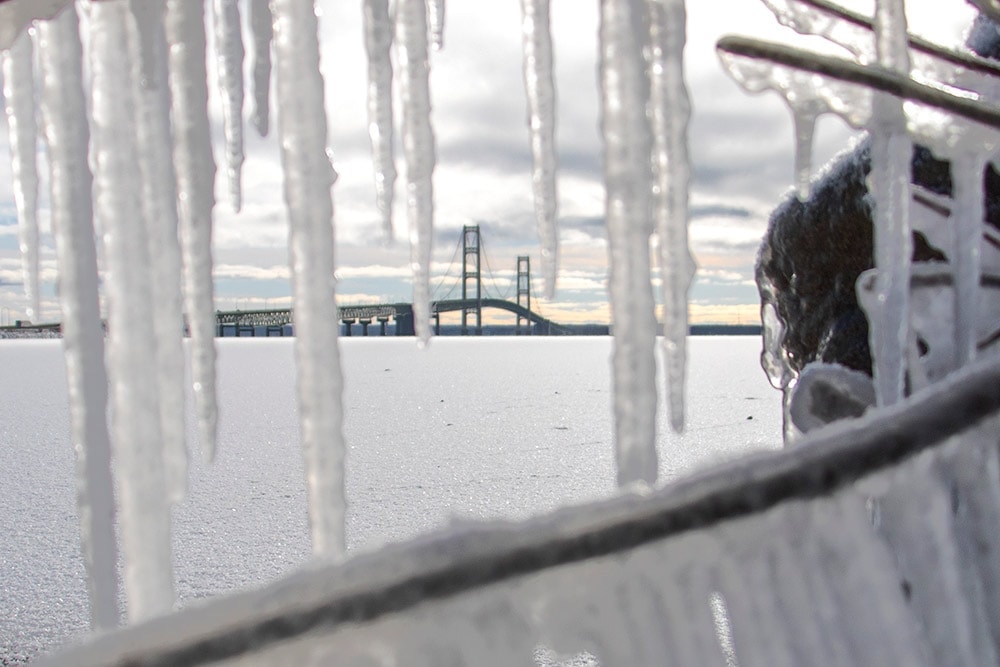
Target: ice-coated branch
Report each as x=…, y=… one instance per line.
x=839, y=69
x=148, y=52
x=418, y=148
x=229, y=47
x=536, y=36
x=195, y=168
x=19, y=105
x=67, y=137
x=627, y=177
x=671, y=110
x=308, y=179
x=262, y=29
x=144, y=511
x=378, y=43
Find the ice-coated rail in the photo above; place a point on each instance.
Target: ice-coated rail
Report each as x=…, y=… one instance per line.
x=785, y=541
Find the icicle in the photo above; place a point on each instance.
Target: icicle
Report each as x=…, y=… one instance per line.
x=805, y=127
x=378, y=40
x=19, y=95
x=262, y=27
x=625, y=92
x=967, y=221
x=195, y=169
x=229, y=46
x=309, y=177
x=159, y=201
x=145, y=517
x=538, y=83
x=671, y=110
x=64, y=123
x=418, y=147
x=808, y=20
x=435, y=22
x=889, y=183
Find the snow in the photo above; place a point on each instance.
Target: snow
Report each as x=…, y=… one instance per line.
x=431, y=445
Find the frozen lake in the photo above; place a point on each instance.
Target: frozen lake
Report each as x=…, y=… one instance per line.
x=468, y=429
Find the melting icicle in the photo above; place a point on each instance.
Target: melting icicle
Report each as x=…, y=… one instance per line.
x=625, y=92
x=309, y=177
x=418, y=148
x=378, y=41
x=229, y=45
x=889, y=183
x=435, y=22
x=195, y=168
x=805, y=128
x=159, y=200
x=809, y=20
x=262, y=28
x=537, y=44
x=67, y=136
x=671, y=110
x=145, y=515
x=19, y=94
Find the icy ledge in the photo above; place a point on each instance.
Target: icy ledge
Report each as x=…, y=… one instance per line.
x=693, y=538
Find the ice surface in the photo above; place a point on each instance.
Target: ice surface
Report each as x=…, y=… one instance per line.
x=230, y=52
x=627, y=150
x=148, y=52
x=809, y=20
x=64, y=124
x=262, y=28
x=143, y=508
x=19, y=104
x=536, y=38
x=418, y=148
x=195, y=168
x=309, y=176
x=378, y=42
x=671, y=110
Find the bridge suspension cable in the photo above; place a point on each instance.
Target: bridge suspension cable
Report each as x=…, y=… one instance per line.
x=486, y=257
x=451, y=263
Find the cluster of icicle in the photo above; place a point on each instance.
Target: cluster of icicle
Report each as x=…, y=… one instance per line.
x=893, y=126
x=150, y=147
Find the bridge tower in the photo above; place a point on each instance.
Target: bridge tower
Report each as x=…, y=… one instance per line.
x=523, y=292
x=470, y=271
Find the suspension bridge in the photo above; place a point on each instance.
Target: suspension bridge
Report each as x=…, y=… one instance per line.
x=468, y=293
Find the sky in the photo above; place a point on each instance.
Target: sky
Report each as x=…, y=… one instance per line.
x=741, y=150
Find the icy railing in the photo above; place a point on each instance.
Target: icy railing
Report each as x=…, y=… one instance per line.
x=769, y=561
x=876, y=544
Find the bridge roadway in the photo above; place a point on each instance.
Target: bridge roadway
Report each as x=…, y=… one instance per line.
x=274, y=320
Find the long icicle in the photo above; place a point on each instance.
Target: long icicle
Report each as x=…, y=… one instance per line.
x=229, y=47
x=435, y=23
x=262, y=28
x=538, y=82
x=418, y=147
x=159, y=201
x=890, y=184
x=195, y=167
x=19, y=97
x=309, y=177
x=671, y=110
x=627, y=172
x=378, y=42
x=144, y=511
x=67, y=136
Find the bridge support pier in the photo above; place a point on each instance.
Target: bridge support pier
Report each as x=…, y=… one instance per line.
x=437, y=324
x=364, y=326
x=382, y=321
x=347, y=325
x=274, y=329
